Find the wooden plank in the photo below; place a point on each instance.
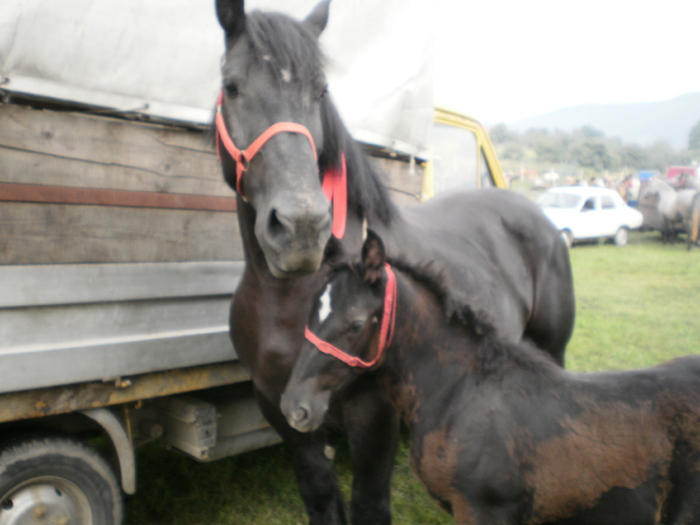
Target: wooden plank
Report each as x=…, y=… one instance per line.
x=57, y=234
x=10, y=192
x=73, y=149
x=405, y=180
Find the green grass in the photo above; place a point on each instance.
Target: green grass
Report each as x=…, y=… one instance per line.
x=636, y=306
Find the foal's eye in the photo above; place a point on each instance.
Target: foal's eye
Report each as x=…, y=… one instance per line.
x=324, y=92
x=356, y=327
x=231, y=89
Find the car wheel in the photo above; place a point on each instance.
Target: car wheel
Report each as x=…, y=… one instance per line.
x=567, y=237
x=57, y=480
x=621, y=236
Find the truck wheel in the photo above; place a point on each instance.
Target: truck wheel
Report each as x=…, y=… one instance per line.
x=57, y=480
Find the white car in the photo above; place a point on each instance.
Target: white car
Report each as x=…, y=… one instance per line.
x=588, y=212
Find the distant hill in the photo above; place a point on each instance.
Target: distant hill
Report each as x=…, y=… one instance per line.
x=638, y=123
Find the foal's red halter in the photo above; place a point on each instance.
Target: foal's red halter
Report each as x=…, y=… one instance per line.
x=334, y=180
x=386, y=331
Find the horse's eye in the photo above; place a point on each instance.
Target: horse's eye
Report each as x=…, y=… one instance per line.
x=356, y=327
x=324, y=92
x=231, y=89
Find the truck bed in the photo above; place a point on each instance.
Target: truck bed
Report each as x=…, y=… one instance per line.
x=63, y=324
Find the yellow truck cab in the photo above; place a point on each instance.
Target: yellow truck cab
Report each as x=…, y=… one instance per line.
x=462, y=156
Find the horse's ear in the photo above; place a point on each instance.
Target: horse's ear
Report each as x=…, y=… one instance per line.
x=317, y=20
x=231, y=14
x=333, y=253
x=373, y=257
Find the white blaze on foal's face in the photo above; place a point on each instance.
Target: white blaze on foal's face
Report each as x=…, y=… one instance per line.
x=325, y=309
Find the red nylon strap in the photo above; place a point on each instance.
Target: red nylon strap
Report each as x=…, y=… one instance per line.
x=243, y=157
x=386, y=333
x=335, y=186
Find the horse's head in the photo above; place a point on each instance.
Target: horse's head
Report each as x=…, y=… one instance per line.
x=272, y=73
x=350, y=328
x=658, y=187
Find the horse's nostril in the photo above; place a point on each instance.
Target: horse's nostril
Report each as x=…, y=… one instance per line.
x=274, y=225
x=300, y=414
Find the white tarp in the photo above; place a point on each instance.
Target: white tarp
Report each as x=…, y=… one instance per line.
x=162, y=57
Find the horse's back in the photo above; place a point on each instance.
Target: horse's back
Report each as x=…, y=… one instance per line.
x=485, y=211
x=673, y=387
x=508, y=258
x=683, y=374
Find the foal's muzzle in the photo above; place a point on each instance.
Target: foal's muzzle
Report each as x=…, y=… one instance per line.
x=304, y=413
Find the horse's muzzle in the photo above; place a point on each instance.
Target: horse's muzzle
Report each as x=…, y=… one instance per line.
x=303, y=413
x=294, y=235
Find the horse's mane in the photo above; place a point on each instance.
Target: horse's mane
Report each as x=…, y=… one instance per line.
x=461, y=313
x=367, y=193
x=493, y=353
x=477, y=321
x=288, y=44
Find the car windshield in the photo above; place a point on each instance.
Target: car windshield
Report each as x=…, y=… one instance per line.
x=557, y=199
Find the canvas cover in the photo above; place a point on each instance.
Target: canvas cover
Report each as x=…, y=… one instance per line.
x=162, y=58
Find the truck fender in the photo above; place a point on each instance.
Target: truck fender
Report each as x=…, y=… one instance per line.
x=118, y=434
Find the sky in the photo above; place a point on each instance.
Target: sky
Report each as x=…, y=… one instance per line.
x=505, y=60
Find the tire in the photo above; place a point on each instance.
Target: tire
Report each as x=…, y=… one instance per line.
x=57, y=480
x=621, y=236
x=567, y=237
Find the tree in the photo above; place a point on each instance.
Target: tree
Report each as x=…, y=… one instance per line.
x=635, y=157
x=587, y=132
x=694, y=137
x=593, y=153
x=512, y=151
x=500, y=134
x=661, y=155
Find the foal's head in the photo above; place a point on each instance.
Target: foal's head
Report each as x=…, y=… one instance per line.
x=351, y=326
x=272, y=73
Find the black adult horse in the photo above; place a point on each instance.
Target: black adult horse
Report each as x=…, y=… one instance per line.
x=500, y=434
x=493, y=247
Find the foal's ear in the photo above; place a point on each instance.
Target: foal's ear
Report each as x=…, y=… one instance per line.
x=231, y=14
x=373, y=257
x=318, y=18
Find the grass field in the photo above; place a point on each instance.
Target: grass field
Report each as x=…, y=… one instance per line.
x=636, y=306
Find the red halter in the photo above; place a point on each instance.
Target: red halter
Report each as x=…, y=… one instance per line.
x=386, y=331
x=334, y=180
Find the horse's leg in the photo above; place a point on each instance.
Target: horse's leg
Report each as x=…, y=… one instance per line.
x=683, y=506
x=314, y=471
x=664, y=230
x=372, y=427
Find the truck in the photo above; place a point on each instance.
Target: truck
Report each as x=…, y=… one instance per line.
x=119, y=243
